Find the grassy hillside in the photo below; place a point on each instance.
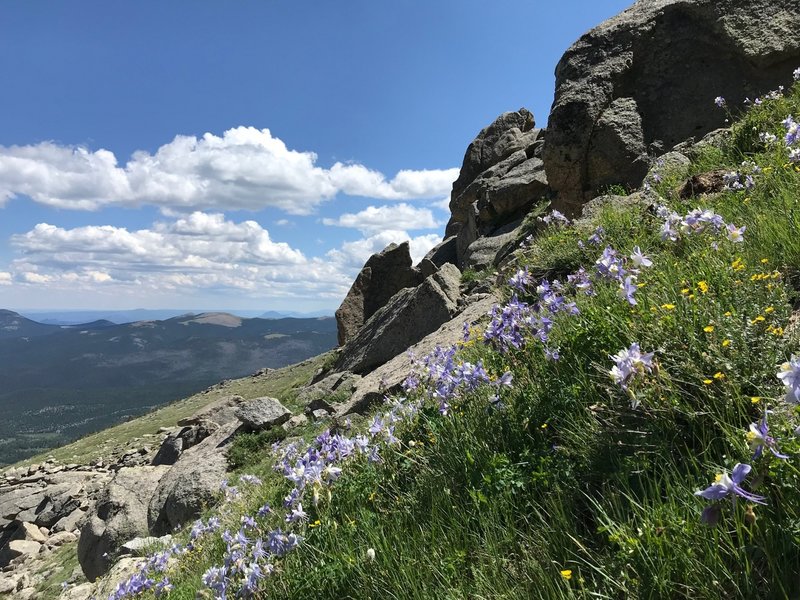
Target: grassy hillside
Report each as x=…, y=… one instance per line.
x=61, y=385
x=559, y=452
x=278, y=383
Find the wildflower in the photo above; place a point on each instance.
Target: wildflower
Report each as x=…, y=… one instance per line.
x=555, y=217
x=297, y=514
x=608, y=265
x=702, y=286
x=708, y=328
x=735, y=233
x=724, y=485
x=720, y=102
x=790, y=376
x=708, y=381
x=668, y=306
x=768, y=138
x=719, y=375
x=755, y=399
x=628, y=363
x=370, y=554
x=726, y=343
x=758, y=437
x=597, y=237
x=566, y=574
x=250, y=479
x=796, y=74
x=794, y=155
x=639, y=259
x=627, y=289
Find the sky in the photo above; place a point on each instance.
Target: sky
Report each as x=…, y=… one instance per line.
x=247, y=155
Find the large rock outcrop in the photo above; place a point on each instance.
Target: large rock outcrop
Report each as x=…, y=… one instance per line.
x=381, y=277
x=501, y=177
x=119, y=515
x=409, y=316
x=191, y=484
x=646, y=79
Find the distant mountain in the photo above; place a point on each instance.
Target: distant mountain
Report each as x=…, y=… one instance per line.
x=59, y=382
x=14, y=325
x=274, y=314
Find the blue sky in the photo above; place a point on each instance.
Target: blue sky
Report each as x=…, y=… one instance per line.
x=250, y=154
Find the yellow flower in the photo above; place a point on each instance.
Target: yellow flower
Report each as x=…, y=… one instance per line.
x=726, y=343
x=668, y=306
x=764, y=261
x=728, y=313
x=755, y=399
x=737, y=265
x=708, y=328
x=769, y=309
x=758, y=319
x=641, y=285
x=702, y=286
x=567, y=574
x=778, y=331
x=685, y=291
x=691, y=296
x=719, y=375
x=708, y=381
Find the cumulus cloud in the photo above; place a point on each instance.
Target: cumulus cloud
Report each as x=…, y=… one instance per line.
x=373, y=219
x=355, y=254
x=197, y=253
x=197, y=241
x=245, y=168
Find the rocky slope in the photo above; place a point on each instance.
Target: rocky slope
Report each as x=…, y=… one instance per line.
x=633, y=94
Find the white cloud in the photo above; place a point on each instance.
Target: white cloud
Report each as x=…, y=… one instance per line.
x=200, y=255
x=373, y=219
x=355, y=254
x=245, y=168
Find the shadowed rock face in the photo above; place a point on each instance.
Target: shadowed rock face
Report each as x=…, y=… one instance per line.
x=409, y=316
x=383, y=275
x=119, y=515
x=645, y=80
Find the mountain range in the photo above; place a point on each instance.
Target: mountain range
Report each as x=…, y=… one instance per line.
x=63, y=381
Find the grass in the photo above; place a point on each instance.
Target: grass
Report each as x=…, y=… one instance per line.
x=58, y=567
x=572, y=490
x=279, y=383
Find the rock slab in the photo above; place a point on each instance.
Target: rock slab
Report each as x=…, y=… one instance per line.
x=646, y=79
x=382, y=276
x=408, y=317
x=118, y=515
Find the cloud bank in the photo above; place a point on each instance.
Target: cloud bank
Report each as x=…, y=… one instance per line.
x=245, y=168
x=198, y=253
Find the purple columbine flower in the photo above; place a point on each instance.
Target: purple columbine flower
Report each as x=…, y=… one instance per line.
x=790, y=376
x=726, y=485
x=720, y=102
x=639, y=259
x=735, y=233
x=796, y=74
x=297, y=514
x=627, y=289
x=628, y=363
x=758, y=437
